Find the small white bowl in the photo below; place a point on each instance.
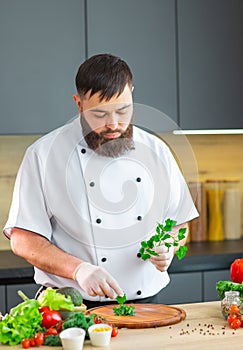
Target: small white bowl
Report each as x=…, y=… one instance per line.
x=100, y=334
x=72, y=338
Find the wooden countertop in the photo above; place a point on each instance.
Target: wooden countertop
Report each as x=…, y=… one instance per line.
x=203, y=328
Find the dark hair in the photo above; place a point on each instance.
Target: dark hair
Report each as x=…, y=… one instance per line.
x=103, y=73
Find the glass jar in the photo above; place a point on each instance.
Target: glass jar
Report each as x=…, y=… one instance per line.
x=215, y=193
x=198, y=226
x=230, y=298
x=232, y=208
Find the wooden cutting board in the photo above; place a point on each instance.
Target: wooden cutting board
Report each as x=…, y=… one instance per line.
x=146, y=315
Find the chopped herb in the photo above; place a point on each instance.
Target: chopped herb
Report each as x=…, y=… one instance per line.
x=122, y=309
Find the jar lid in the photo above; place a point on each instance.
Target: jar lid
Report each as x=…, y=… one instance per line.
x=224, y=179
x=215, y=180
x=199, y=181
x=232, y=292
x=232, y=179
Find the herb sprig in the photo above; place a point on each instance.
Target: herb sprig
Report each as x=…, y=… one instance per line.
x=122, y=309
x=161, y=237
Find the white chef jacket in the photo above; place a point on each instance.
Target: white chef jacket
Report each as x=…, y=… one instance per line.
x=99, y=208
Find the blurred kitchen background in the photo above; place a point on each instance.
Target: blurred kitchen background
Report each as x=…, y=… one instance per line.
x=186, y=57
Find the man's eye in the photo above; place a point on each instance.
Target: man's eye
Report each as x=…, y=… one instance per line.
x=100, y=115
x=122, y=112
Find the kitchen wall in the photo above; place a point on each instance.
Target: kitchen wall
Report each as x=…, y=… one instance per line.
x=216, y=156
x=186, y=57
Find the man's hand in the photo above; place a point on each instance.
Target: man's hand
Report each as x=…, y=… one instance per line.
x=95, y=280
x=163, y=261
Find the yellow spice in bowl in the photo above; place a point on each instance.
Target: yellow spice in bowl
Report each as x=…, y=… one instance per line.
x=101, y=329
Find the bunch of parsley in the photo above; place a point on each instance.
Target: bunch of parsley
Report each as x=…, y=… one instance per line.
x=161, y=237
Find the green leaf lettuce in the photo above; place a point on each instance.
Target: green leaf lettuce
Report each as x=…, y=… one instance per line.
x=56, y=301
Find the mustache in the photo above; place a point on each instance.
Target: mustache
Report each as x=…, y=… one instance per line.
x=111, y=132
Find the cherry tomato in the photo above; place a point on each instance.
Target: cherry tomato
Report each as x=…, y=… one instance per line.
x=25, y=343
x=32, y=342
x=51, y=331
x=59, y=327
x=97, y=319
x=114, y=331
x=50, y=318
x=231, y=318
x=234, y=309
x=241, y=320
x=44, y=308
x=39, y=338
x=235, y=323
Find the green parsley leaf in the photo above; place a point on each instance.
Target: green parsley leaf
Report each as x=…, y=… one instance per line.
x=181, y=252
x=121, y=299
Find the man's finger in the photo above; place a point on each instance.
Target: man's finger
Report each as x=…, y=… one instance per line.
x=115, y=286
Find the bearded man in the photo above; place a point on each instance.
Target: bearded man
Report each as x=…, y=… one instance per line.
x=89, y=192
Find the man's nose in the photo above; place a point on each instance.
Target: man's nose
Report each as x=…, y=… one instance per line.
x=112, y=121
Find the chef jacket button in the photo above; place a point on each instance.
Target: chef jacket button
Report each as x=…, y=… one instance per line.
x=139, y=292
x=92, y=184
x=139, y=218
x=98, y=221
x=138, y=179
x=103, y=259
x=139, y=255
x=83, y=150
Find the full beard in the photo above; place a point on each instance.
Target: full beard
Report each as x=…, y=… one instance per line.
x=106, y=147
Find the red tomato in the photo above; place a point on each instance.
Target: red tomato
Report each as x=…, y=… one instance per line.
x=235, y=323
x=25, y=343
x=231, y=318
x=241, y=320
x=50, y=318
x=234, y=309
x=114, y=331
x=39, y=338
x=51, y=331
x=97, y=319
x=59, y=327
x=44, y=308
x=32, y=342
x=236, y=271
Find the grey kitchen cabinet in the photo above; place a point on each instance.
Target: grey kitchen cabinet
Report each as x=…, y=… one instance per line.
x=42, y=45
x=210, y=56
x=210, y=278
x=2, y=300
x=141, y=32
x=29, y=289
x=183, y=288
x=186, y=57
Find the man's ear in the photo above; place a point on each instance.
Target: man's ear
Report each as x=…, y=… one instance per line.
x=78, y=103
